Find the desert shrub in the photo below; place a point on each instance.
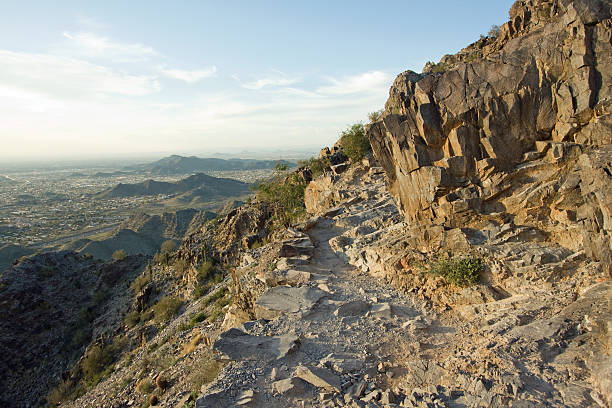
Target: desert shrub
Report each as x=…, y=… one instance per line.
x=191, y=345
x=167, y=247
x=199, y=318
x=284, y=196
x=132, y=319
x=354, y=142
x=180, y=266
x=97, y=363
x=144, y=386
x=146, y=315
x=140, y=282
x=203, y=372
x=439, y=67
x=461, y=271
x=66, y=390
x=166, y=308
x=375, y=116
x=119, y=255
x=493, y=31
x=220, y=293
x=317, y=166
x=205, y=270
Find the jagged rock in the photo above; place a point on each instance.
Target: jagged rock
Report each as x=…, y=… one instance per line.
x=340, y=168
x=211, y=400
x=343, y=363
x=286, y=299
x=237, y=345
x=245, y=397
x=292, y=387
x=352, y=308
x=381, y=310
x=319, y=377
x=292, y=262
x=289, y=277
x=437, y=127
x=296, y=247
x=318, y=194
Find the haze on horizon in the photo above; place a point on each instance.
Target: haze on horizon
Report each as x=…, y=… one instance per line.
x=144, y=77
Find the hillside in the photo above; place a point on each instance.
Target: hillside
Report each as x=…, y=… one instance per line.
x=142, y=234
x=197, y=185
x=185, y=165
x=465, y=261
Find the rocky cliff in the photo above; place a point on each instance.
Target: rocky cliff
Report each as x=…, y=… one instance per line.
x=521, y=132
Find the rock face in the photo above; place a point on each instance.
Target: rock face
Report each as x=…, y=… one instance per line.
x=460, y=144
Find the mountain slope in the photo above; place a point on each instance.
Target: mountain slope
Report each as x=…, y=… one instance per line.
x=183, y=165
x=200, y=184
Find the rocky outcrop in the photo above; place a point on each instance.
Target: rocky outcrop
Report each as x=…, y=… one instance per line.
x=223, y=238
x=522, y=133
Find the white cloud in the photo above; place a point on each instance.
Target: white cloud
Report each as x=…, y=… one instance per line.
x=269, y=81
x=92, y=45
x=190, y=76
x=371, y=81
x=68, y=78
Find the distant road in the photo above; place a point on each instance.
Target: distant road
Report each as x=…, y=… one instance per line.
x=75, y=236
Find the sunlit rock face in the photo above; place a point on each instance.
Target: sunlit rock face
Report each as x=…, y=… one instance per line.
x=519, y=124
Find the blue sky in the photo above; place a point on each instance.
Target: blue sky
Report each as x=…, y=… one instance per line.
x=86, y=78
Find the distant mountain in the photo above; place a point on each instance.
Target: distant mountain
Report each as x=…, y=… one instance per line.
x=112, y=174
x=199, y=185
x=184, y=165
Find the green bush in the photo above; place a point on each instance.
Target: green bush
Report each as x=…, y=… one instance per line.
x=167, y=247
x=205, y=270
x=180, y=266
x=97, y=363
x=316, y=166
x=493, y=31
x=166, y=308
x=354, y=142
x=284, y=196
x=66, y=390
x=375, y=116
x=119, y=255
x=463, y=271
x=132, y=319
x=216, y=296
x=140, y=282
x=439, y=67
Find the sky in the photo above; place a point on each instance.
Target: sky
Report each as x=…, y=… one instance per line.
x=83, y=79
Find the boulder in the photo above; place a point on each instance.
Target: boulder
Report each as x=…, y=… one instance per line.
x=319, y=377
x=286, y=299
x=235, y=344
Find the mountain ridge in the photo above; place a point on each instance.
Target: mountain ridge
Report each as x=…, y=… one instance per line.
x=176, y=164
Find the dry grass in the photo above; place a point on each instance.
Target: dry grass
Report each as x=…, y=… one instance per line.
x=206, y=370
x=191, y=345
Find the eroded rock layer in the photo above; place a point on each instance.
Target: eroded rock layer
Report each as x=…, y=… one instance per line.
x=465, y=145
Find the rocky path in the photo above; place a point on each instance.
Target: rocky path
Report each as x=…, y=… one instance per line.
x=336, y=341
